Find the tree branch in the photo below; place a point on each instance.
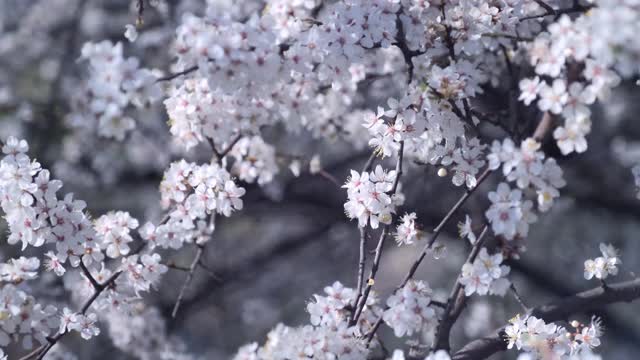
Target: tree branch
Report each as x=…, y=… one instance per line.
x=436, y=232
x=44, y=349
x=555, y=311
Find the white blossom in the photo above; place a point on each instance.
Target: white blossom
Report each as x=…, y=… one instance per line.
x=131, y=33
x=407, y=232
x=603, y=266
x=409, y=309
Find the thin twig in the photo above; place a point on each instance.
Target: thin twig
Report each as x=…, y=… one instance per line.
x=364, y=235
x=178, y=74
x=518, y=298
x=457, y=298
x=209, y=271
x=187, y=281
x=88, y=275
x=507, y=36
x=378, y=254
x=332, y=179
x=362, y=260
x=187, y=269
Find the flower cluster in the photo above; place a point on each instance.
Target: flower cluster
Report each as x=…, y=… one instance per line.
x=143, y=334
x=603, y=266
x=568, y=42
x=386, y=136
x=113, y=230
x=84, y=324
x=329, y=336
x=409, y=309
x=528, y=167
x=407, y=231
x=198, y=112
x=334, y=309
x=19, y=270
x=23, y=319
x=254, y=160
x=195, y=193
x=431, y=133
x=532, y=335
x=509, y=214
x=467, y=162
x=35, y=214
x=306, y=342
x=486, y=275
x=143, y=271
x=37, y=217
x=455, y=81
x=114, y=83
x=371, y=197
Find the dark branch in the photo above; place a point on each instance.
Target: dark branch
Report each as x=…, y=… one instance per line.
x=583, y=302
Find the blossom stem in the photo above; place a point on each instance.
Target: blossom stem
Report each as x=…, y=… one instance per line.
x=364, y=234
x=457, y=298
x=361, y=263
x=187, y=281
x=329, y=177
x=518, y=298
x=87, y=273
x=378, y=254
x=178, y=74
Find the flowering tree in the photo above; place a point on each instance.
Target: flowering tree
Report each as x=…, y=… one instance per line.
x=465, y=90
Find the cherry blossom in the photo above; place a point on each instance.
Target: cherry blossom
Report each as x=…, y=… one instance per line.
x=465, y=230
x=85, y=325
x=603, y=266
x=486, y=275
x=255, y=160
x=370, y=199
x=409, y=309
x=535, y=337
x=131, y=33
x=406, y=231
x=18, y=270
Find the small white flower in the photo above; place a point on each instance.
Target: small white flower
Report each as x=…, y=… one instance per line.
x=406, y=231
x=131, y=33
x=529, y=89
x=553, y=98
x=466, y=231
x=315, y=166
x=603, y=266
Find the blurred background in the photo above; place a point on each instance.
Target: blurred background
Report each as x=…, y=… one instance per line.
x=293, y=239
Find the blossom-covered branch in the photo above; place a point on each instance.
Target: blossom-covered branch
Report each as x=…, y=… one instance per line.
x=587, y=301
